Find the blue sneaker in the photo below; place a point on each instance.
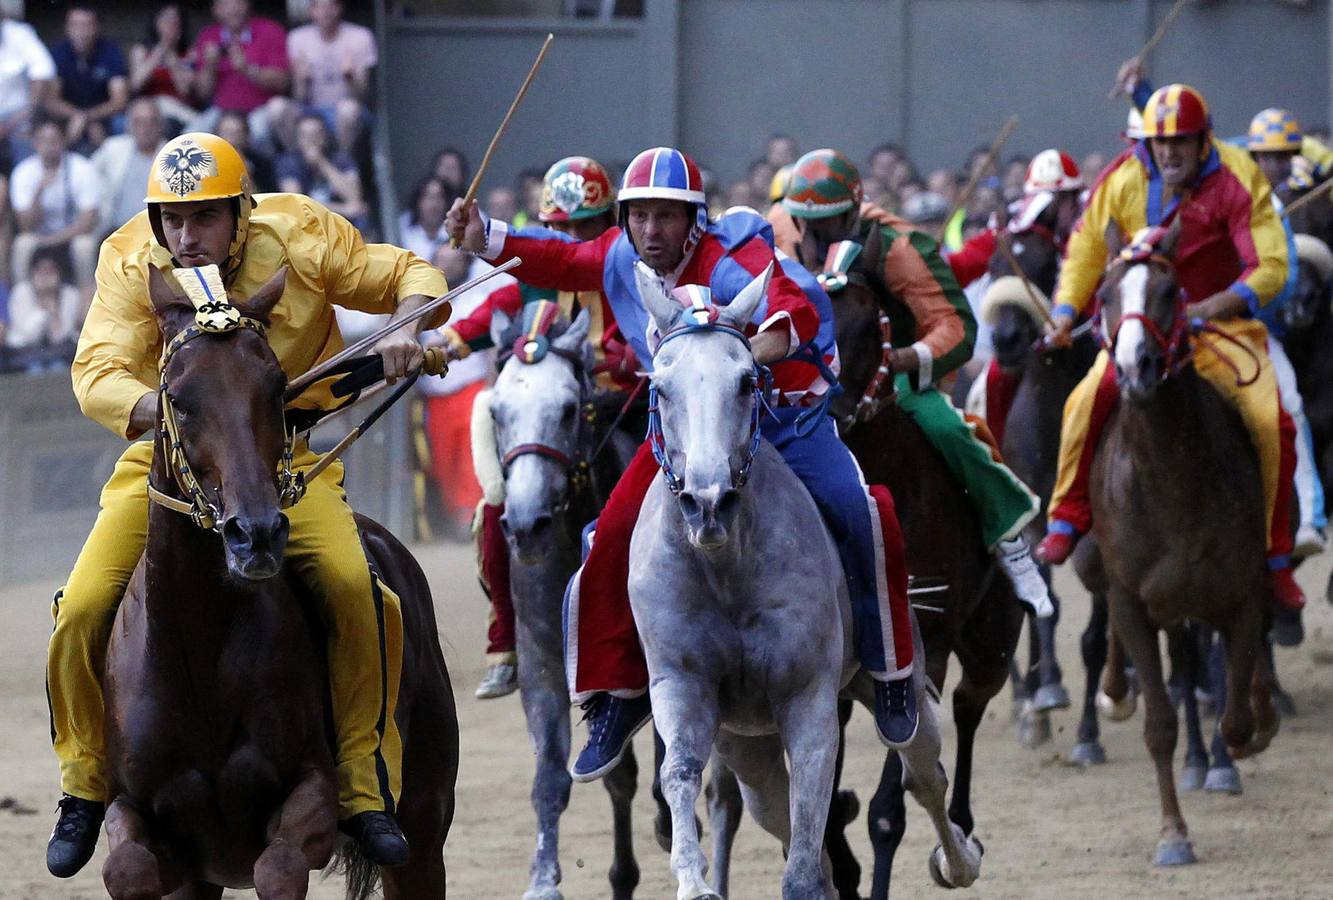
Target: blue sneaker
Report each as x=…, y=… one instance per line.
x=612, y=722
x=895, y=712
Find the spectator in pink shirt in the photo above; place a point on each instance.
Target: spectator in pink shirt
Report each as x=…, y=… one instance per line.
x=240, y=66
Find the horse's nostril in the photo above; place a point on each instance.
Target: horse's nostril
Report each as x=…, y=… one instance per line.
x=688, y=504
x=236, y=535
x=541, y=523
x=506, y=527
x=726, y=504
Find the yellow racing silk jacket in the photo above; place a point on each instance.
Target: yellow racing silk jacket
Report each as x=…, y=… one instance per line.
x=120, y=346
x=1231, y=237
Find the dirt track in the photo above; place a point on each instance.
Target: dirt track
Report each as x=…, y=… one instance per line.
x=1050, y=830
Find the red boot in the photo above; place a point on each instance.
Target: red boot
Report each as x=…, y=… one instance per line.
x=1055, y=547
x=1286, y=592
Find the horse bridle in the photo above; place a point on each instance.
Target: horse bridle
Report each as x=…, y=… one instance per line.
x=578, y=468
x=202, y=511
x=656, y=438
x=870, y=401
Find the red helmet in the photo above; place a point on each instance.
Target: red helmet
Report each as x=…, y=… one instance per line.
x=663, y=173
x=1174, y=110
x=1052, y=170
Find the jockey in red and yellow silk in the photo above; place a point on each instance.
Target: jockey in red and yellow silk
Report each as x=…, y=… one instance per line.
x=1231, y=261
x=665, y=226
x=579, y=202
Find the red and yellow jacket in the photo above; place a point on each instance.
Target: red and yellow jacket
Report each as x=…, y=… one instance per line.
x=1231, y=237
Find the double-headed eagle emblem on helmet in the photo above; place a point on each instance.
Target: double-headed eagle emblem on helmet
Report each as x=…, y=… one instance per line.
x=181, y=170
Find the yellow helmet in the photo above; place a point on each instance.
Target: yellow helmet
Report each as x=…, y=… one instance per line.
x=777, y=188
x=1274, y=130
x=200, y=166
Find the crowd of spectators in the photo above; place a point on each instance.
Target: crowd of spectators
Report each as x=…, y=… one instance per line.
x=81, y=121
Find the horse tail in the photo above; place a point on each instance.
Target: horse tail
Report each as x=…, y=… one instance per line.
x=362, y=875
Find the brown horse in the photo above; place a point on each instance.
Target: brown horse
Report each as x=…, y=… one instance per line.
x=964, y=606
x=1178, y=516
x=219, y=723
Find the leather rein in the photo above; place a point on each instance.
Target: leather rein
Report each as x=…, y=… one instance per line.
x=578, y=468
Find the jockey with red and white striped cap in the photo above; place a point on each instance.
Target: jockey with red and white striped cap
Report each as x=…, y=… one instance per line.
x=664, y=224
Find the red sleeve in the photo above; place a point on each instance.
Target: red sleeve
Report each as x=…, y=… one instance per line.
x=973, y=258
x=478, y=323
x=784, y=295
x=552, y=262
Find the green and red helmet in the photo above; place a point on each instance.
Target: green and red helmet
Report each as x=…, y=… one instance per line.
x=823, y=183
x=575, y=188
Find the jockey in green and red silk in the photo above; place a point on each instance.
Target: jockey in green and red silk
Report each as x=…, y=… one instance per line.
x=664, y=224
x=1232, y=261
x=933, y=332
x=579, y=202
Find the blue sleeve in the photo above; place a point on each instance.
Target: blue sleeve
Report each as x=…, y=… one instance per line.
x=1142, y=92
x=542, y=233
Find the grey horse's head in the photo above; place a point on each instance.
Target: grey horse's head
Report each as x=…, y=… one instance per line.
x=536, y=406
x=705, y=384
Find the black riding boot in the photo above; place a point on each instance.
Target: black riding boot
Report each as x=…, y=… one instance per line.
x=379, y=837
x=75, y=836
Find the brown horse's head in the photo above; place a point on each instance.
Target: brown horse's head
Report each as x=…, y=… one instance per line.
x=1142, y=310
x=856, y=320
x=226, y=393
x=1014, y=331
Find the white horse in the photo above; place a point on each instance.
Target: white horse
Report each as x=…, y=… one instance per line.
x=744, y=615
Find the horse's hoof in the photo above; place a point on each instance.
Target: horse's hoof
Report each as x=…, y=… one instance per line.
x=1287, y=630
x=1034, y=728
x=1051, y=696
x=1192, y=778
x=1117, y=710
x=851, y=806
x=1285, y=705
x=547, y=892
x=1223, y=780
x=936, y=873
x=701, y=894
x=1088, y=753
x=1174, y=853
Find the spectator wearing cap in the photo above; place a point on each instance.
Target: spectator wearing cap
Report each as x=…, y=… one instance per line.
x=234, y=128
x=57, y=199
x=124, y=162
x=27, y=73
x=93, y=77
x=45, y=314
x=331, y=61
x=240, y=63
x=319, y=170
x=159, y=66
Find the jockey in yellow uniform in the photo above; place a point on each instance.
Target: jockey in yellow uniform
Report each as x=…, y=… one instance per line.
x=1231, y=261
x=201, y=212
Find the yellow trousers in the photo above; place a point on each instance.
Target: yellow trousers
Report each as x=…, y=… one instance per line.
x=1258, y=403
x=361, y=615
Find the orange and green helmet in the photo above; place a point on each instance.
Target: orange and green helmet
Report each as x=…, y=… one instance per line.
x=575, y=188
x=823, y=183
x=1175, y=110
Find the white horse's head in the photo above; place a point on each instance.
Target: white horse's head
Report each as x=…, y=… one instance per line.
x=704, y=377
x=537, y=406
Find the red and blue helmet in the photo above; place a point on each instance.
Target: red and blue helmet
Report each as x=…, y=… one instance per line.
x=665, y=174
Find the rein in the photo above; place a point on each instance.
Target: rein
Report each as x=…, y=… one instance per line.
x=869, y=404
x=656, y=438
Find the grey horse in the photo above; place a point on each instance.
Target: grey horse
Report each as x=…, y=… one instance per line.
x=544, y=432
x=745, y=621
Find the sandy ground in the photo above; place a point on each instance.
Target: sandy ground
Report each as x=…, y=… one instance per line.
x=1050, y=829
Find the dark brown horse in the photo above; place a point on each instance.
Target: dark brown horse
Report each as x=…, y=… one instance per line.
x=219, y=723
x=1178, y=517
x=964, y=605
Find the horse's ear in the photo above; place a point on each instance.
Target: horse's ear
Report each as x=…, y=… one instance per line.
x=1167, y=245
x=169, y=307
x=807, y=251
x=872, y=252
x=662, y=308
x=1115, y=240
x=741, y=310
x=261, y=303
x=500, y=323
x=573, y=337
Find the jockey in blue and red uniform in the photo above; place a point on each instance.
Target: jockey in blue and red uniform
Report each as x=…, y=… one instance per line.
x=664, y=223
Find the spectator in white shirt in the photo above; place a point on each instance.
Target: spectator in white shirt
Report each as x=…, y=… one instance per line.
x=27, y=73
x=124, y=162
x=57, y=197
x=44, y=312
x=424, y=232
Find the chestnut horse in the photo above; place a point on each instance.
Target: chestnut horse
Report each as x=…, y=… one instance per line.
x=964, y=605
x=219, y=726
x=1178, y=515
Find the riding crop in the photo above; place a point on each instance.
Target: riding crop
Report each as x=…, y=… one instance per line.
x=1153, y=41
x=965, y=195
x=472, y=188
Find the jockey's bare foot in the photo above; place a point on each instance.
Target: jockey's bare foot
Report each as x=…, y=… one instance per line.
x=500, y=680
x=75, y=836
x=378, y=836
x=1055, y=547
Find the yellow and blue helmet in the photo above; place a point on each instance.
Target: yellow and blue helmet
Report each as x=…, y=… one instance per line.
x=1274, y=130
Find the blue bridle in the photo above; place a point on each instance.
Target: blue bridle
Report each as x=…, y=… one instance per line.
x=657, y=440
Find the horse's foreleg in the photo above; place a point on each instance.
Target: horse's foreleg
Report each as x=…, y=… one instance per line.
x=1159, y=724
x=808, y=723
x=886, y=819
x=687, y=718
x=621, y=783
x=1093, y=644
x=301, y=837
x=1263, y=698
x=1243, y=644
x=1223, y=776
x=133, y=870
x=546, y=707
x=956, y=860
x=1185, y=667
x=842, y=810
x=1051, y=693
x=1117, y=699
x=724, y=819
